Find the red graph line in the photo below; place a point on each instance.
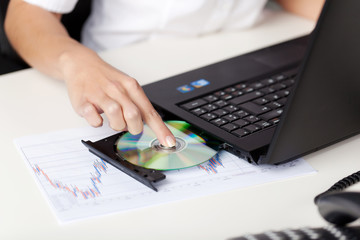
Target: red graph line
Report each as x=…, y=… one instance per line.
x=211, y=166
x=91, y=192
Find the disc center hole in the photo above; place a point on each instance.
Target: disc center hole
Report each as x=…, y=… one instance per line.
x=179, y=145
x=166, y=148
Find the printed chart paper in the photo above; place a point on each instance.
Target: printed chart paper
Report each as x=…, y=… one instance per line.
x=79, y=185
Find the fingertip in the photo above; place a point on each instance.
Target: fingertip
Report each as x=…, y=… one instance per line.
x=89, y=112
x=98, y=122
x=170, y=141
x=164, y=135
x=118, y=128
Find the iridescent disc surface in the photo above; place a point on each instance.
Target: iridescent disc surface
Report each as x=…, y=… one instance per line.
x=145, y=150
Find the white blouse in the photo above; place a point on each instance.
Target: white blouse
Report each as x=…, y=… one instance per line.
x=114, y=23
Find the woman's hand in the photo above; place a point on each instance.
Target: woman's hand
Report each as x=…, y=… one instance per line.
x=96, y=87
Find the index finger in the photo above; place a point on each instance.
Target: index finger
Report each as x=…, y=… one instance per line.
x=152, y=117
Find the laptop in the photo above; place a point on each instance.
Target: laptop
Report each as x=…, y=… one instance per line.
x=278, y=103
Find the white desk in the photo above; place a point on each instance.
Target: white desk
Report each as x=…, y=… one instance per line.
x=31, y=103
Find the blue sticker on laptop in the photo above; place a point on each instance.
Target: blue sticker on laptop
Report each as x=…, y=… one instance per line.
x=185, y=88
x=200, y=83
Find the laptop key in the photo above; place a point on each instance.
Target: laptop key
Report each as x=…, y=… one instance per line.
x=252, y=128
x=272, y=114
x=254, y=108
x=257, y=85
x=240, y=132
x=241, y=122
x=211, y=98
x=268, y=81
x=241, y=86
x=219, y=93
x=194, y=104
x=226, y=97
x=221, y=103
x=248, y=89
x=283, y=93
x=231, y=117
x=261, y=101
x=274, y=105
x=220, y=112
x=272, y=97
x=208, y=116
x=241, y=113
x=229, y=127
x=263, y=124
x=210, y=107
x=230, y=90
x=237, y=93
x=231, y=108
x=280, y=77
x=252, y=118
x=268, y=90
x=219, y=122
x=198, y=111
x=274, y=121
x=279, y=86
x=246, y=97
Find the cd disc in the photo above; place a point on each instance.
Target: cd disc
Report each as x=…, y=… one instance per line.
x=146, y=151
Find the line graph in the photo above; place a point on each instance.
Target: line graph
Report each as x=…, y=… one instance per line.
x=211, y=166
x=91, y=192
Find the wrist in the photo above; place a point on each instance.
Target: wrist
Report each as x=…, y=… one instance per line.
x=74, y=60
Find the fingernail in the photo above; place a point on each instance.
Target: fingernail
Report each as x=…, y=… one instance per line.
x=170, y=141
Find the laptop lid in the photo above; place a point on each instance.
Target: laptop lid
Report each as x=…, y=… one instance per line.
x=324, y=108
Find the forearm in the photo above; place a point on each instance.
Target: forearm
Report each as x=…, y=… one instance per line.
x=40, y=38
x=94, y=87
x=306, y=8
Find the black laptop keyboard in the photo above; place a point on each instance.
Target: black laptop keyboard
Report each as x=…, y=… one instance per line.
x=246, y=107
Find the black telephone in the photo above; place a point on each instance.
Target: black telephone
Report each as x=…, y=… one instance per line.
x=339, y=207
x=335, y=206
